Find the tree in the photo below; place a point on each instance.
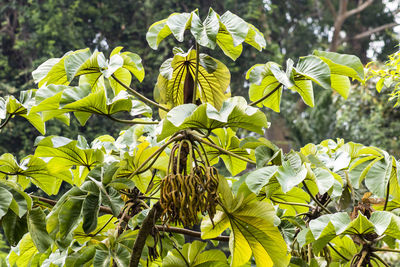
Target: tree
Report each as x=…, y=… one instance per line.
x=132, y=199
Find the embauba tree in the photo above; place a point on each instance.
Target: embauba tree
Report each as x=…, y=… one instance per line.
x=134, y=199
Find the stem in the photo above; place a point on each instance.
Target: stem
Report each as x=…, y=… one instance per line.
x=196, y=76
x=155, y=154
x=337, y=252
x=293, y=204
x=224, y=151
x=131, y=121
x=180, y=253
x=138, y=95
x=147, y=226
x=54, y=202
x=266, y=96
x=387, y=196
x=385, y=249
x=380, y=259
x=315, y=200
x=104, y=226
x=363, y=255
x=6, y=121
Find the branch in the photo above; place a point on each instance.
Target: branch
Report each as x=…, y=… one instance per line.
x=358, y=9
x=331, y=8
x=189, y=232
x=223, y=150
x=374, y=30
x=145, y=230
x=138, y=95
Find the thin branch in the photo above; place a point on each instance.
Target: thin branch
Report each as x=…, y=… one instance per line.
x=266, y=96
x=6, y=121
x=159, y=227
x=358, y=9
x=331, y=8
x=315, y=200
x=224, y=151
x=337, y=252
x=196, y=76
x=372, y=31
x=189, y=232
x=145, y=230
x=138, y=95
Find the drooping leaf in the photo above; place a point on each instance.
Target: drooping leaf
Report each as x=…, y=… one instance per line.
x=195, y=255
x=342, y=66
x=37, y=229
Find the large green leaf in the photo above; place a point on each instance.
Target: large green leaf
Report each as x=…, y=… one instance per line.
x=309, y=69
x=65, y=153
x=253, y=230
x=21, y=202
x=93, y=67
x=227, y=31
x=131, y=163
x=30, y=169
x=226, y=139
x=21, y=108
x=257, y=179
x=58, y=99
x=327, y=227
x=5, y=201
x=22, y=257
x=14, y=227
x=376, y=167
x=176, y=80
x=267, y=80
x=195, y=255
x=234, y=113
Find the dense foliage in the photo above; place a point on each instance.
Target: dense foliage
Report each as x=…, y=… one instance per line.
x=133, y=200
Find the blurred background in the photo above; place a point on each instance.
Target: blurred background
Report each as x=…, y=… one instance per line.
x=32, y=31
